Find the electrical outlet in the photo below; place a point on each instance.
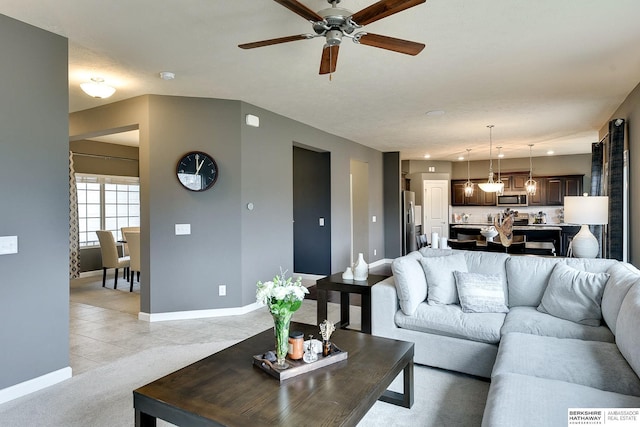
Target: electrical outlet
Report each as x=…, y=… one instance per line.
x=222, y=290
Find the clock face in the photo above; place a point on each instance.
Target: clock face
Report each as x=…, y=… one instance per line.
x=197, y=171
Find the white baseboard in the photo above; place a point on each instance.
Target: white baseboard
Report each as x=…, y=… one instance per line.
x=198, y=314
x=90, y=273
x=35, y=384
x=380, y=262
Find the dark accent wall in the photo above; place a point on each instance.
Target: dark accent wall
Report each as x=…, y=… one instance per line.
x=34, y=189
x=311, y=201
x=392, y=205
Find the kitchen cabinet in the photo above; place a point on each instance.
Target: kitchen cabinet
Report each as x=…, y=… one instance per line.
x=479, y=197
x=558, y=187
x=550, y=190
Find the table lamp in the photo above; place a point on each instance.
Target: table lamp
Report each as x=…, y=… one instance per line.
x=586, y=211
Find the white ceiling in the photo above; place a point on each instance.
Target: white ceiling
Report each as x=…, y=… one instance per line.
x=545, y=72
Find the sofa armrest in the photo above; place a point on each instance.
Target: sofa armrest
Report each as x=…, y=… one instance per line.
x=384, y=306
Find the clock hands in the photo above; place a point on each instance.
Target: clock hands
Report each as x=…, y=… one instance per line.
x=199, y=166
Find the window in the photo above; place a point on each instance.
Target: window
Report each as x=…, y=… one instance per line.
x=106, y=203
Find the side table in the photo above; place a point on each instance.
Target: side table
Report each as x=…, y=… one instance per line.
x=335, y=282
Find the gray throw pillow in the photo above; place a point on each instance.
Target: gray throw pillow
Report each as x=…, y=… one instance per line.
x=441, y=284
x=574, y=295
x=480, y=293
x=411, y=285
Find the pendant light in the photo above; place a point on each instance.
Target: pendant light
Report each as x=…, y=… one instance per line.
x=468, y=186
x=500, y=192
x=530, y=185
x=490, y=186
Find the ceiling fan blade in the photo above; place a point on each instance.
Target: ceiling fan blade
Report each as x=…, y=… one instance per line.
x=390, y=43
x=273, y=41
x=300, y=9
x=329, y=59
x=382, y=9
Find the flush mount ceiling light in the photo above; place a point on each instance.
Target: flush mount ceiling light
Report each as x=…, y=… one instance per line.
x=490, y=186
x=530, y=185
x=97, y=88
x=468, y=186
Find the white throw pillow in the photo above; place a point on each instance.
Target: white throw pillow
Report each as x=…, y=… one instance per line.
x=411, y=284
x=480, y=293
x=441, y=284
x=574, y=295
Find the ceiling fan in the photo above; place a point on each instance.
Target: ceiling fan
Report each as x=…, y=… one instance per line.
x=335, y=23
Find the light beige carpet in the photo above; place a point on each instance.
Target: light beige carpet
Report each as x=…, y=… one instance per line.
x=103, y=397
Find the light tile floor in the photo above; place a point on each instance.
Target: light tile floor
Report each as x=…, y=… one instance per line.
x=104, y=325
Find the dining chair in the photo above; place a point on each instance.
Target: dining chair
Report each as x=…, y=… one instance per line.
x=125, y=246
x=133, y=241
x=110, y=258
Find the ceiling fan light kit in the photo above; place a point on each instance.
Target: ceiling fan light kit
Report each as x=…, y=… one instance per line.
x=335, y=23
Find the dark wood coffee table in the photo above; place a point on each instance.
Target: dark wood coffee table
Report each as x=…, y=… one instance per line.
x=225, y=389
x=335, y=282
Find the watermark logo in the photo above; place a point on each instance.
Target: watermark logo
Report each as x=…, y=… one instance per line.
x=615, y=417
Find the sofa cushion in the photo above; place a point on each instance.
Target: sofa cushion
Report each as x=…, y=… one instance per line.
x=441, y=284
x=590, y=363
x=529, y=320
x=480, y=293
x=411, y=285
x=522, y=401
x=622, y=277
x=449, y=320
x=488, y=263
x=528, y=278
x=627, y=328
x=574, y=295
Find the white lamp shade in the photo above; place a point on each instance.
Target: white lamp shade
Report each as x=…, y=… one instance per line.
x=591, y=210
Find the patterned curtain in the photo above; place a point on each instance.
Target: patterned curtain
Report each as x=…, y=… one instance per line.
x=74, y=237
x=597, y=166
x=615, y=189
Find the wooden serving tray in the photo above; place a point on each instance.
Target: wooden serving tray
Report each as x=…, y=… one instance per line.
x=299, y=367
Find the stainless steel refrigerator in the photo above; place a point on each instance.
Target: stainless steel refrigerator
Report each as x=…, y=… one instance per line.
x=409, y=243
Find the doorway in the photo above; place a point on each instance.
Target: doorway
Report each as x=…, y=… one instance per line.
x=435, y=209
x=311, y=211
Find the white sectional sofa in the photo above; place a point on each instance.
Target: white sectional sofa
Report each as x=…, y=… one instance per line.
x=550, y=333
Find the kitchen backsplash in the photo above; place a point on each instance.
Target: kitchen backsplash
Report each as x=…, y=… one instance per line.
x=479, y=214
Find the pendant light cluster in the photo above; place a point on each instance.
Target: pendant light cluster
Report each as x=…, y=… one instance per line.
x=468, y=186
x=490, y=186
x=530, y=185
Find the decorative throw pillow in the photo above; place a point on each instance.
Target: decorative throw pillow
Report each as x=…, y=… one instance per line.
x=574, y=295
x=411, y=284
x=480, y=293
x=441, y=285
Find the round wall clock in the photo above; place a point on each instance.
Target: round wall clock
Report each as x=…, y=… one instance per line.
x=197, y=171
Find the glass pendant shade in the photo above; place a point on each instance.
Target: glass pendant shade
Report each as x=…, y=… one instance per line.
x=468, y=186
x=490, y=186
x=530, y=186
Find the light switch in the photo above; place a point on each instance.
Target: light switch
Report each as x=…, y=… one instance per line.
x=374, y=219
x=8, y=245
x=183, y=229
x=321, y=222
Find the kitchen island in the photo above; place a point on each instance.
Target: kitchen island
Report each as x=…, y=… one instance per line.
x=558, y=234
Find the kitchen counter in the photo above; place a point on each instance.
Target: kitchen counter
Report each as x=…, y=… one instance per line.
x=533, y=227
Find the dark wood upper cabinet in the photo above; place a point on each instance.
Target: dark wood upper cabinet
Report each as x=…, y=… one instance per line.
x=550, y=190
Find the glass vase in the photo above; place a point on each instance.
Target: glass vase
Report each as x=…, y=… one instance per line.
x=281, y=331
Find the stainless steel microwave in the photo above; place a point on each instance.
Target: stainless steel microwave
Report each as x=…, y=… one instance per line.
x=513, y=200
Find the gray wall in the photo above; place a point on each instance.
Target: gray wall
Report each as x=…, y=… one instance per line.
x=229, y=244
x=34, y=188
x=360, y=210
x=630, y=111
